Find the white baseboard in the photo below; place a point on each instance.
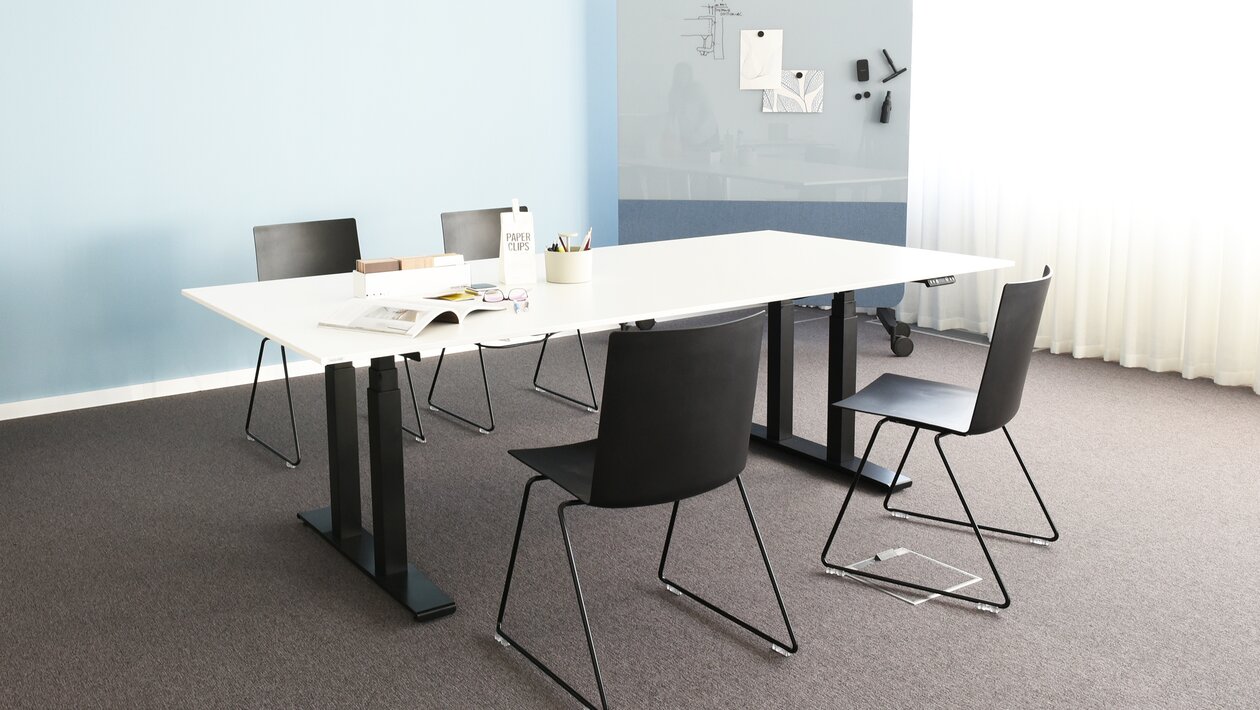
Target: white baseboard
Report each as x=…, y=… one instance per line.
x=184, y=385
x=166, y=388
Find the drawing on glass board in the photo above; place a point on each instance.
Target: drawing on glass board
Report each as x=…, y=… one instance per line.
x=799, y=91
x=712, y=38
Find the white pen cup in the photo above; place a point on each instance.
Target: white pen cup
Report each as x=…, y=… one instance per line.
x=569, y=267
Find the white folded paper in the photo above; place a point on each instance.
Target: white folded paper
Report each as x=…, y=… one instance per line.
x=760, y=58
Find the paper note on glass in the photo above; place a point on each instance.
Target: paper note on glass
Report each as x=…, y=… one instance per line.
x=798, y=91
x=760, y=58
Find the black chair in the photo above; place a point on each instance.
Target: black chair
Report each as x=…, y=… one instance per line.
x=959, y=411
x=677, y=413
x=475, y=234
x=286, y=251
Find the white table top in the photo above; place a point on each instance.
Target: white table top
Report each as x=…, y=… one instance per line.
x=631, y=282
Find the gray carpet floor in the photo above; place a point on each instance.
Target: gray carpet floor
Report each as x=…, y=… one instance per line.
x=150, y=557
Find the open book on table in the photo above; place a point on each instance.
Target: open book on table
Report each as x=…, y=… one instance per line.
x=402, y=317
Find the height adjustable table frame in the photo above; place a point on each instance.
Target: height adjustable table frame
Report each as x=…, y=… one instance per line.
x=382, y=554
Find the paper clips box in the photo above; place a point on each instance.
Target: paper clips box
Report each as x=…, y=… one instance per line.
x=412, y=282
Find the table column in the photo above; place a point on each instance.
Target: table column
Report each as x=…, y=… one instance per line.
x=382, y=554
x=343, y=451
x=837, y=453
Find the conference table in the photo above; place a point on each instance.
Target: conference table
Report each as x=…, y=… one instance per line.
x=633, y=282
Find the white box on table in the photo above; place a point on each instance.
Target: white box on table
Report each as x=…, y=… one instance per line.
x=412, y=282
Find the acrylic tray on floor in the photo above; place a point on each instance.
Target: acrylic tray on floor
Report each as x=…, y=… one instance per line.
x=901, y=558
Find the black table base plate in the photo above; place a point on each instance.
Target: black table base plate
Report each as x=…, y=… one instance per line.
x=412, y=588
x=817, y=453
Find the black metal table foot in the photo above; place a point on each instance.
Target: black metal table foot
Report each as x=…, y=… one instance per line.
x=817, y=453
x=411, y=588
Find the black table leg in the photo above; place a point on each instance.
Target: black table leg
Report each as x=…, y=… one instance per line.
x=837, y=453
x=779, y=370
x=389, y=512
x=383, y=555
x=841, y=376
x=343, y=450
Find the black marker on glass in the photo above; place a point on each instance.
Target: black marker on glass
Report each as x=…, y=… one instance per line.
x=885, y=111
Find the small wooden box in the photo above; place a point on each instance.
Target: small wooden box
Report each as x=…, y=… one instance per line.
x=375, y=266
x=414, y=262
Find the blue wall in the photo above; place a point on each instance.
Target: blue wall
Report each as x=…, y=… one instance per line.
x=141, y=140
x=601, y=95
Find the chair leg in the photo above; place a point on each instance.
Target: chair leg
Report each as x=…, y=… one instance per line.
x=485, y=382
x=849, y=495
x=982, y=604
x=577, y=590
x=1054, y=531
x=593, y=405
x=516, y=543
x=418, y=434
x=502, y=637
x=778, y=646
x=1031, y=537
x=249, y=414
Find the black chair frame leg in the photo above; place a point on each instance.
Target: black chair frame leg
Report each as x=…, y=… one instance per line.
x=786, y=649
x=1031, y=537
x=502, y=636
x=249, y=414
x=591, y=406
x=485, y=382
x=418, y=433
x=983, y=604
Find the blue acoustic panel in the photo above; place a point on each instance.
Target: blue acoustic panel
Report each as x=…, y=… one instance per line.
x=879, y=222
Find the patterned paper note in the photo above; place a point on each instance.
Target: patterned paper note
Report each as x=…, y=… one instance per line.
x=795, y=95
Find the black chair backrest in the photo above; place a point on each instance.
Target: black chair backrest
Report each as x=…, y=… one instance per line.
x=676, y=412
x=473, y=233
x=286, y=251
x=1010, y=351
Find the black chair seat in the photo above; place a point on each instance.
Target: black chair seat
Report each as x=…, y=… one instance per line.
x=572, y=466
x=932, y=405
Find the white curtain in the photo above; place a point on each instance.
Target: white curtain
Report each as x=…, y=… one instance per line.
x=1114, y=141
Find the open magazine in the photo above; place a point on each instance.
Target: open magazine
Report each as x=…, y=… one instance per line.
x=402, y=317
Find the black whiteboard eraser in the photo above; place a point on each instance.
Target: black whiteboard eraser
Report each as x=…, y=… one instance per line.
x=863, y=70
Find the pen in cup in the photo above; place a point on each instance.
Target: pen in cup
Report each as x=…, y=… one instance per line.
x=567, y=242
